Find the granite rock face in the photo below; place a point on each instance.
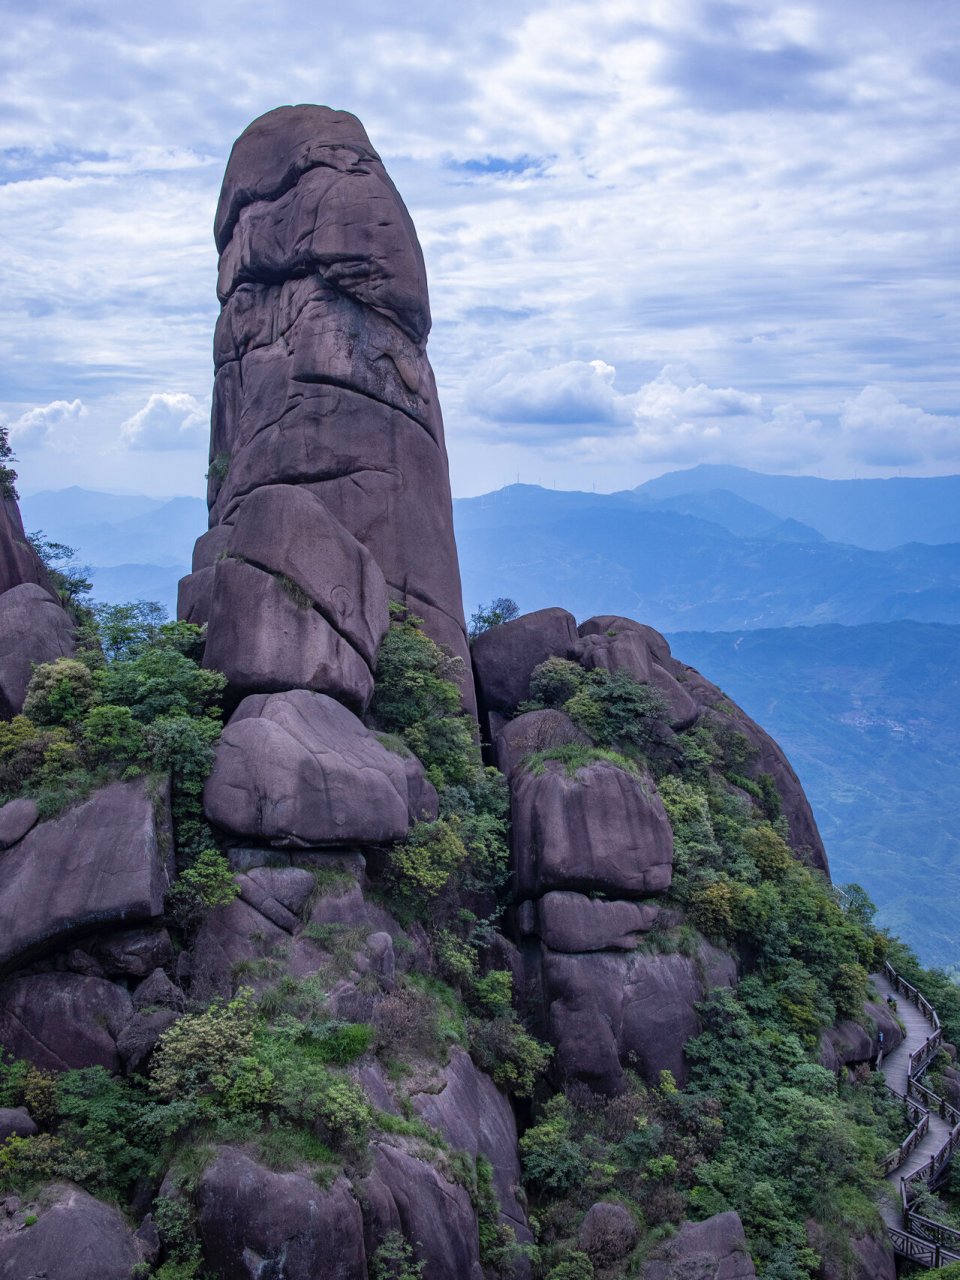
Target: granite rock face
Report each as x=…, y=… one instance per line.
x=602, y=829
x=405, y=1193
x=323, y=387
x=18, y=561
x=298, y=769
x=62, y=1020
x=256, y=1223
x=33, y=629
x=103, y=863
x=606, y=1010
x=715, y=1249
x=75, y=1237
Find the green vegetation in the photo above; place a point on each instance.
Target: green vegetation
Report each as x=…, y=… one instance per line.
x=464, y=853
x=616, y=710
x=498, y=611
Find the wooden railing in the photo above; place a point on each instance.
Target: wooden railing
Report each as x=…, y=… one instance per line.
x=922, y=1240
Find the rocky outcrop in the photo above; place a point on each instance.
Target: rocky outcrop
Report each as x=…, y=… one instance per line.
x=323, y=388
x=850, y=1042
x=254, y=1223
x=404, y=1193
x=103, y=863
x=866, y=1257
x=608, y=1233
x=613, y=643
x=18, y=561
x=572, y=922
x=74, y=1237
x=715, y=1249
x=602, y=829
x=16, y=1122
x=16, y=819
x=608, y=1010
x=298, y=769
x=475, y=1117
x=62, y=1020
x=33, y=629
x=533, y=732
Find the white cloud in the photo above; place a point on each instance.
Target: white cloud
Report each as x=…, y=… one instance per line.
x=169, y=420
x=513, y=389
x=42, y=427
x=881, y=430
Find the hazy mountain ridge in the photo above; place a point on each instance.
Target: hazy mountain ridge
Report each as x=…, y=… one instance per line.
x=870, y=718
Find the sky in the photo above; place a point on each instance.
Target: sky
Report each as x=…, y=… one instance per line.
x=657, y=233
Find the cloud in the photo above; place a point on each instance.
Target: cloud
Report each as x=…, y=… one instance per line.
x=40, y=428
x=882, y=431
x=169, y=420
x=563, y=397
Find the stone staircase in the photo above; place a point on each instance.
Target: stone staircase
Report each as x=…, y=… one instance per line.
x=925, y=1153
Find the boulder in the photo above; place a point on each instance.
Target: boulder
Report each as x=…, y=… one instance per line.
x=298, y=769
x=474, y=1116
x=847, y=1042
x=504, y=657
x=157, y=992
x=194, y=594
x=866, y=1257
x=16, y=1122
x=608, y=1233
x=255, y=1223
x=534, y=731
x=132, y=953
x=138, y=1039
x=572, y=922
x=606, y=1011
x=210, y=547
x=715, y=1249
x=63, y=1020
x=404, y=1193
x=16, y=819
x=285, y=529
x=322, y=379
x=603, y=829
x=75, y=1237
x=19, y=562
x=620, y=644
x=33, y=629
x=265, y=636
x=105, y=862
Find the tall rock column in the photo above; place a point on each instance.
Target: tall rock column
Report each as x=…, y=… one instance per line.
x=328, y=484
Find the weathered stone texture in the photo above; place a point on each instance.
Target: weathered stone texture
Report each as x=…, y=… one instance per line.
x=601, y=829
x=298, y=769
x=104, y=862
x=323, y=387
x=254, y=1223
x=33, y=629
x=75, y=1237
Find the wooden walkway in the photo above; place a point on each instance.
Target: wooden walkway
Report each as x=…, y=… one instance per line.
x=924, y=1155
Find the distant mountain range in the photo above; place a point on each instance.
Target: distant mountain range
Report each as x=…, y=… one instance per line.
x=830, y=609
x=870, y=719
x=700, y=561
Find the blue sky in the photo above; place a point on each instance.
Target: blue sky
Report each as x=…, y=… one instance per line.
x=657, y=233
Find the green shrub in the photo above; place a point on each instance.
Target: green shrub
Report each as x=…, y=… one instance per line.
x=59, y=693
x=394, y=1259
x=206, y=884
x=494, y=614
x=575, y=1266
x=111, y=733
x=417, y=697
x=575, y=756
x=552, y=1161
x=554, y=682
x=209, y=1057
x=422, y=864
x=514, y=1058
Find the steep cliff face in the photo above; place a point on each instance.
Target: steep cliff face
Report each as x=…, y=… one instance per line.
x=33, y=626
x=323, y=392
x=406, y=990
